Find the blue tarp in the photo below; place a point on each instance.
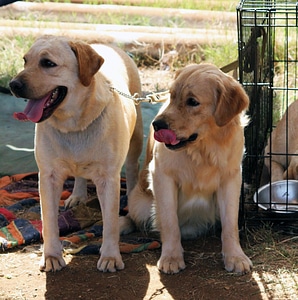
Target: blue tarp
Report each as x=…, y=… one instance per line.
x=17, y=138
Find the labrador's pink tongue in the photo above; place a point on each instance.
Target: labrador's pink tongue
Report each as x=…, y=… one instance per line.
x=166, y=136
x=33, y=111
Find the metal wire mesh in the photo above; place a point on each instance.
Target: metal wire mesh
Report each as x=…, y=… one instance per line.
x=268, y=70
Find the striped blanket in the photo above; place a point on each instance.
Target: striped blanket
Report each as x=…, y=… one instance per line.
x=80, y=227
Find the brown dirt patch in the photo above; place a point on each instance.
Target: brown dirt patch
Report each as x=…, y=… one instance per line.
x=204, y=277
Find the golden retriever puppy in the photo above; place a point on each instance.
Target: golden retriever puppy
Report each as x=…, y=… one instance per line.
x=193, y=171
x=84, y=128
x=284, y=140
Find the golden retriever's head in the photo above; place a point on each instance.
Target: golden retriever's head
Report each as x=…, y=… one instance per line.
x=203, y=100
x=52, y=67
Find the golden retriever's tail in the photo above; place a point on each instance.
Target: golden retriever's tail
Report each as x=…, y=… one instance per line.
x=140, y=208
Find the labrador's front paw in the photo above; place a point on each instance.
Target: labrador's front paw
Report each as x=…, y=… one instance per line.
x=110, y=264
x=51, y=263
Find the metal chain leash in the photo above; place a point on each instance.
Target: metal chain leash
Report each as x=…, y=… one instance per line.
x=151, y=98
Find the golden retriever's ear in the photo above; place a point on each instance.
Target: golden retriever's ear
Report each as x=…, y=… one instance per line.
x=232, y=100
x=89, y=61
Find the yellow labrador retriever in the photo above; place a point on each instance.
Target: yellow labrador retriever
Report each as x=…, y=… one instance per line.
x=84, y=128
x=193, y=171
x=283, y=141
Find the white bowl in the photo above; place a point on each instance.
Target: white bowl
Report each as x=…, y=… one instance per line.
x=284, y=196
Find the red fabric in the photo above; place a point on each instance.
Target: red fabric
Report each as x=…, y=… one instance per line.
x=7, y=214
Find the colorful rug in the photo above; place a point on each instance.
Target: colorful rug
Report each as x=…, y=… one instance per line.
x=80, y=227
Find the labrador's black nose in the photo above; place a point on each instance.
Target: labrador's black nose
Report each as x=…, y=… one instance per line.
x=159, y=124
x=16, y=86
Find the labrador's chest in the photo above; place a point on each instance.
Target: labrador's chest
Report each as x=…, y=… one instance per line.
x=77, y=152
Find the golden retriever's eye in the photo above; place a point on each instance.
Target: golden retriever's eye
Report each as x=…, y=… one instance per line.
x=192, y=102
x=46, y=63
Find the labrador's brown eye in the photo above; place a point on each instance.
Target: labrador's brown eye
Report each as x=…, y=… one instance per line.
x=46, y=63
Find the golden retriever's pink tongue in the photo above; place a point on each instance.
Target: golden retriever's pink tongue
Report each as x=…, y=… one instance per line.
x=33, y=111
x=166, y=136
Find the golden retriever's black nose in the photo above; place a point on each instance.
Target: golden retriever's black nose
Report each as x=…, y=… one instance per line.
x=159, y=124
x=16, y=85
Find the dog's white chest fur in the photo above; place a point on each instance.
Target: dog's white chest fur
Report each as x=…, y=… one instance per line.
x=196, y=214
x=195, y=194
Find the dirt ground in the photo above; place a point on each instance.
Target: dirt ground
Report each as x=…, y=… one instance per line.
x=204, y=277
x=275, y=273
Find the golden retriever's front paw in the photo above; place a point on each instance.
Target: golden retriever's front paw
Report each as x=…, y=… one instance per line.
x=170, y=264
x=51, y=263
x=110, y=264
x=239, y=264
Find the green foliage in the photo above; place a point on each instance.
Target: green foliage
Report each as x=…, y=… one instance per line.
x=11, y=53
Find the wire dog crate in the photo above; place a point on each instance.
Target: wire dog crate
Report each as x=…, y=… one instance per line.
x=268, y=71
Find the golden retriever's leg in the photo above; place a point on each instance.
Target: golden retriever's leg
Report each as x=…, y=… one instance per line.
x=165, y=192
x=134, y=152
x=50, y=188
x=228, y=200
x=79, y=193
x=108, y=191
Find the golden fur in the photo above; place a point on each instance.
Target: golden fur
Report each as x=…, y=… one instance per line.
x=195, y=178
x=88, y=135
x=284, y=139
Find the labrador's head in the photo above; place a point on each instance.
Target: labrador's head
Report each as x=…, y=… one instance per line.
x=54, y=68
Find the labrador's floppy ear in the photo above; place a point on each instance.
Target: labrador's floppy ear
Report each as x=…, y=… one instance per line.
x=232, y=100
x=89, y=61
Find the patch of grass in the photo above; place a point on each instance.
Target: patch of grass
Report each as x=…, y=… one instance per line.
x=275, y=259
x=225, y=5
x=221, y=55
x=110, y=18
x=11, y=62
x=272, y=245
